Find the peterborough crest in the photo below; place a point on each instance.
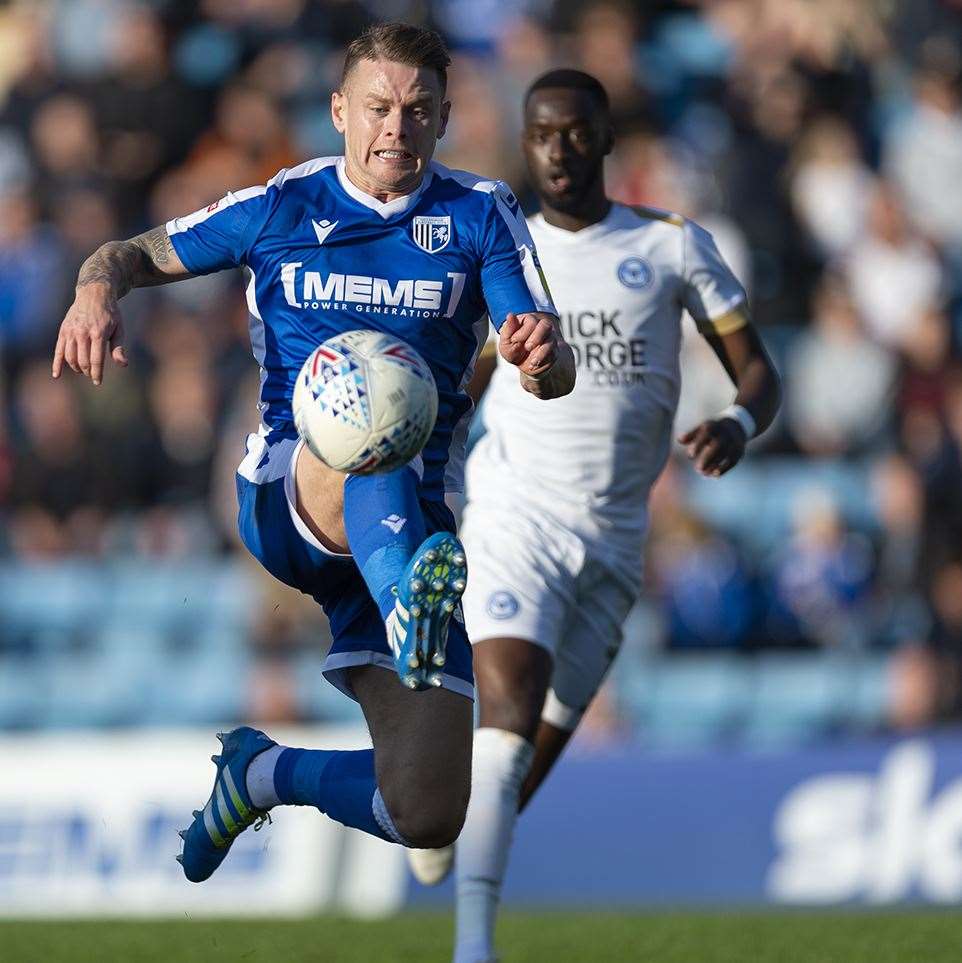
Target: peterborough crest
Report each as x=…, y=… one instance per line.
x=431, y=234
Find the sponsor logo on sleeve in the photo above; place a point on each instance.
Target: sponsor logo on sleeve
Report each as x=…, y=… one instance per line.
x=511, y=201
x=502, y=605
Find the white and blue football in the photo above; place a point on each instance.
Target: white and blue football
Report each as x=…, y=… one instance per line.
x=365, y=402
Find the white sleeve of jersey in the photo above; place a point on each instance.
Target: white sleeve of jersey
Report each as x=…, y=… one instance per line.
x=710, y=291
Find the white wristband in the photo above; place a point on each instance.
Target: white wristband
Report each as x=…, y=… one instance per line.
x=743, y=416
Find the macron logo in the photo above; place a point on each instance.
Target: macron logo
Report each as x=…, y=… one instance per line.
x=322, y=229
x=394, y=522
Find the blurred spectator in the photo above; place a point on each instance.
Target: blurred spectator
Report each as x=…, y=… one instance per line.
x=830, y=185
x=932, y=439
x=923, y=153
x=901, y=615
x=33, y=285
x=893, y=274
x=822, y=579
x=477, y=132
x=250, y=127
x=28, y=69
x=641, y=169
x=947, y=605
x=476, y=25
x=900, y=504
x=147, y=117
x=66, y=143
x=768, y=113
x=525, y=50
x=603, y=39
x=702, y=584
x=81, y=32
x=183, y=404
x=915, y=684
x=15, y=171
x=838, y=382
x=183, y=398
x=85, y=218
x=927, y=364
x=55, y=469
x=928, y=679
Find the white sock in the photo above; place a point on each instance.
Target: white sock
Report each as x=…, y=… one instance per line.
x=260, y=778
x=501, y=763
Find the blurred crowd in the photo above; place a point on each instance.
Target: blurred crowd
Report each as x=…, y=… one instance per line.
x=819, y=140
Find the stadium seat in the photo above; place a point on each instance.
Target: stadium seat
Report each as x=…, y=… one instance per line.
x=797, y=698
x=756, y=504
x=58, y=598
x=870, y=694
x=229, y=594
x=317, y=699
x=21, y=694
x=107, y=684
x=198, y=693
x=693, y=700
x=170, y=597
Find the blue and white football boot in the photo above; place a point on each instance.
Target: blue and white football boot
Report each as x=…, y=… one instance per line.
x=428, y=593
x=229, y=811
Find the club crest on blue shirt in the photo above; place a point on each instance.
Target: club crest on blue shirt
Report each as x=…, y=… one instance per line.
x=431, y=234
x=635, y=272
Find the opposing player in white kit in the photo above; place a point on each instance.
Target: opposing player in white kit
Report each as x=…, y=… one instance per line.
x=555, y=567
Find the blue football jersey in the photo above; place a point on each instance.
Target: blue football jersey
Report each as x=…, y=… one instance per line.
x=324, y=257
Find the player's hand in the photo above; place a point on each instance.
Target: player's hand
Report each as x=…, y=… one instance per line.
x=92, y=328
x=529, y=341
x=715, y=446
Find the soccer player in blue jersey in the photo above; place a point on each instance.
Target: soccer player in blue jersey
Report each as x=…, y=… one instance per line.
x=381, y=238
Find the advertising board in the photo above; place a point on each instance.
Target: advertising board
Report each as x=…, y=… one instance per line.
x=88, y=827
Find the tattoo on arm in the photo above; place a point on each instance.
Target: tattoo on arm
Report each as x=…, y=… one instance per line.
x=136, y=263
x=156, y=244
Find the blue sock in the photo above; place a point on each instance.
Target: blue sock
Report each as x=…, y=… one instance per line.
x=384, y=525
x=338, y=782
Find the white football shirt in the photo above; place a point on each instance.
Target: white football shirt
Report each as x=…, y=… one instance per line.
x=589, y=459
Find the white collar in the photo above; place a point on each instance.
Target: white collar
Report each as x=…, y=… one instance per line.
x=589, y=233
x=386, y=209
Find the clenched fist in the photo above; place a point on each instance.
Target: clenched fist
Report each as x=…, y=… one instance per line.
x=715, y=446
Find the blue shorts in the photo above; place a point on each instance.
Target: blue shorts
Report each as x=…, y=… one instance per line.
x=278, y=538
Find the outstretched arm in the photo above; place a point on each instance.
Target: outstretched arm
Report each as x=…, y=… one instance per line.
x=717, y=445
x=534, y=343
x=93, y=322
x=144, y=260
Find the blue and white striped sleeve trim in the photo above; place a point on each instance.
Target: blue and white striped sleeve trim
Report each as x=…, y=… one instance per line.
x=506, y=205
x=510, y=210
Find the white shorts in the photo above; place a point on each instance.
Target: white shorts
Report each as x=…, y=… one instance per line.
x=530, y=578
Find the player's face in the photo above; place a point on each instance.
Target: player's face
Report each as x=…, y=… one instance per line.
x=565, y=140
x=391, y=116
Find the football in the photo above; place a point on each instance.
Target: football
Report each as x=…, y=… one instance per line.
x=365, y=402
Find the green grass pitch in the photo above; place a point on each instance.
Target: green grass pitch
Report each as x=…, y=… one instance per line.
x=923, y=936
